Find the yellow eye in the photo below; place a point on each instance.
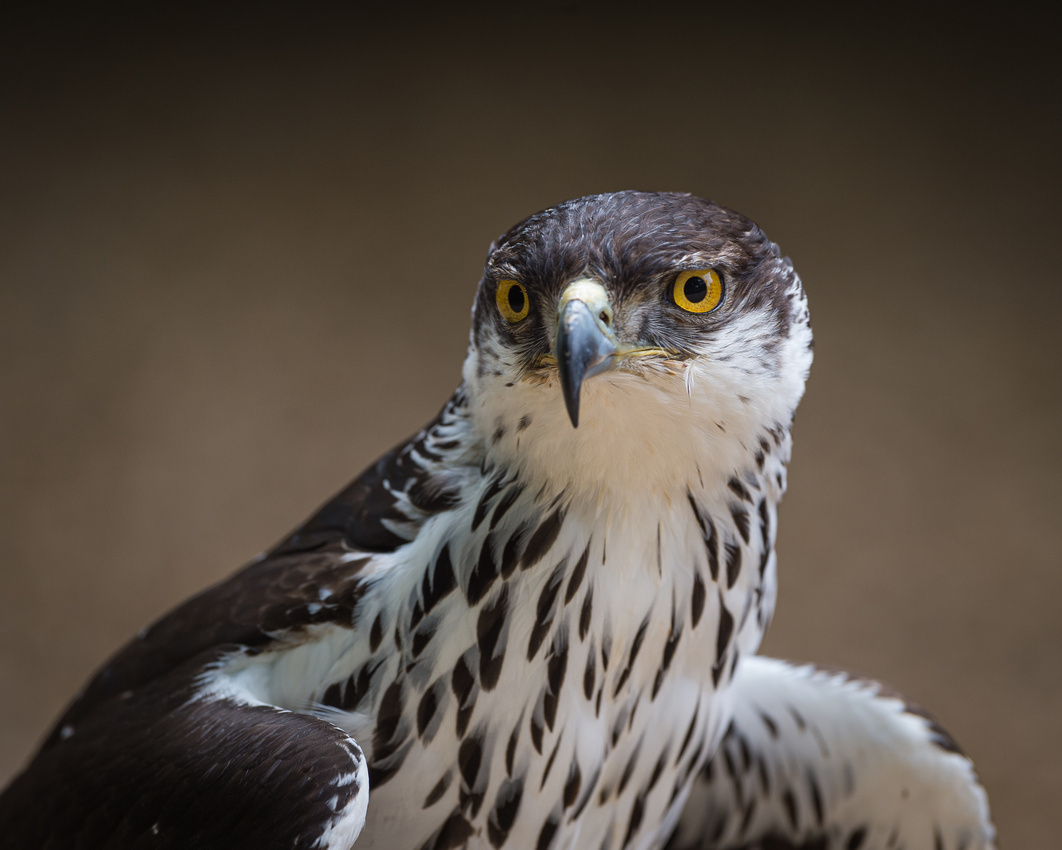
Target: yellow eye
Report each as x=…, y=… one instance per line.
x=698, y=290
x=513, y=302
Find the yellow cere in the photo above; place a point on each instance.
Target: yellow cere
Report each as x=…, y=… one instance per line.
x=698, y=290
x=513, y=302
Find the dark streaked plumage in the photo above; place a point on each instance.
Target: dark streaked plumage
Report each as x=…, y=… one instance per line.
x=533, y=624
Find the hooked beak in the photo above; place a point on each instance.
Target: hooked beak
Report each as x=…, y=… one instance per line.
x=585, y=344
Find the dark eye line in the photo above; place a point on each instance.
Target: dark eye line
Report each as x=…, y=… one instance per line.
x=668, y=278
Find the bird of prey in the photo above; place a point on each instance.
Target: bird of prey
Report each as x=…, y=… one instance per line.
x=535, y=623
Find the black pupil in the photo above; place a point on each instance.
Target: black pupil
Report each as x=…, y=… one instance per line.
x=695, y=289
x=516, y=299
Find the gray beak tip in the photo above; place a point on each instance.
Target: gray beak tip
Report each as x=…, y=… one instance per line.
x=583, y=349
x=571, y=402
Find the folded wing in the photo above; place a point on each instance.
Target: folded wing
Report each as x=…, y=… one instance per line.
x=821, y=759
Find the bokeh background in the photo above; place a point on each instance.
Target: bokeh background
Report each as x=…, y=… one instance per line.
x=238, y=249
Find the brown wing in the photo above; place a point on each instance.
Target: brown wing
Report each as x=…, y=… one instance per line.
x=819, y=759
x=155, y=769
x=312, y=576
x=137, y=761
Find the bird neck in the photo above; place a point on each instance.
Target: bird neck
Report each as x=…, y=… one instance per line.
x=639, y=447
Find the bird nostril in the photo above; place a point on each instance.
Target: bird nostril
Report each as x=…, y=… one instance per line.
x=605, y=317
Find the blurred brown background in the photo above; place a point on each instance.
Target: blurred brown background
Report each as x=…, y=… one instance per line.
x=237, y=254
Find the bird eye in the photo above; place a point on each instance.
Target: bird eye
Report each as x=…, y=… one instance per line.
x=513, y=302
x=698, y=290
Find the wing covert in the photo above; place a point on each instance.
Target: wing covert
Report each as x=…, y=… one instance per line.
x=818, y=760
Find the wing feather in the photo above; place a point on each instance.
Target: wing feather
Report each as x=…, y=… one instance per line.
x=160, y=769
x=817, y=760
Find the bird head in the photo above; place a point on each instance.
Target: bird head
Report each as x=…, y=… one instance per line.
x=634, y=338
